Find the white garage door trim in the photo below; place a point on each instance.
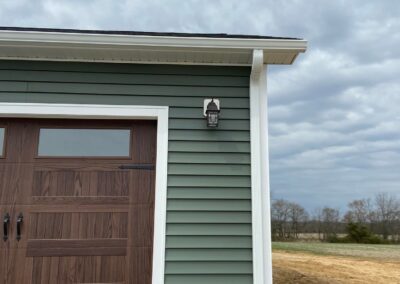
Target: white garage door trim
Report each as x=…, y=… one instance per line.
x=89, y=111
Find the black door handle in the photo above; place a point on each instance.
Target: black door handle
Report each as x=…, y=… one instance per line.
x=20, y=218
x=6, y=222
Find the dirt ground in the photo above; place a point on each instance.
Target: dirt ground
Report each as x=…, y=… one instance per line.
x=299, y=267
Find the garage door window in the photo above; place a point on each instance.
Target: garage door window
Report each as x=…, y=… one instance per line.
x=2, y=130
x=84, y=142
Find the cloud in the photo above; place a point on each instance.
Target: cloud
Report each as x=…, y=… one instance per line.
x=334, y=115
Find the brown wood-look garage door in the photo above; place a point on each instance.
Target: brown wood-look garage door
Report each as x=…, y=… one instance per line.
x=80, y=199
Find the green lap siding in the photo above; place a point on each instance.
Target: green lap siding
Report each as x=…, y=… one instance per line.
x=209, y=184
x=208, y=279
x=229, y=242
x=209, y=158
x=240, y=193
x=209, y=217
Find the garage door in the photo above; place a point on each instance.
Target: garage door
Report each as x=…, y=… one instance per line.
x=76, y=201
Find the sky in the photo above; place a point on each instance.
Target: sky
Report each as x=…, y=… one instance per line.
x=334, y=118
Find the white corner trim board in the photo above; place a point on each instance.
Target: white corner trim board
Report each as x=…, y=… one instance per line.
x=88, y=111
x=260, y=193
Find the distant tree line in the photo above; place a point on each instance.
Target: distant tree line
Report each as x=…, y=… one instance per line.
x=366, y=220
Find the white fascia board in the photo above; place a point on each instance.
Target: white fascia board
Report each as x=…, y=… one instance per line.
x=160, y=41
x=157, y=44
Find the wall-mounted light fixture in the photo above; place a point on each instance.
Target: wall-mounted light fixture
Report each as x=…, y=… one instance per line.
x=211, y=112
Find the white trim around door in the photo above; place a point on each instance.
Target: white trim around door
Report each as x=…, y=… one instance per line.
x=88, y=111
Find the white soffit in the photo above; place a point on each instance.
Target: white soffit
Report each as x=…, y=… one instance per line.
x=59, y=46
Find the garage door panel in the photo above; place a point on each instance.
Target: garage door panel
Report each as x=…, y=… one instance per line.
x=85, y=220
x=81, y=269
x=87, y=182
x=3, y=265
x=20, y=141
x=15, y=183
x=77, y=247
x=67, y=201
x=143, y=184
x=19, y=268
x=141, y=225
x=141, y=269
x=79, y=225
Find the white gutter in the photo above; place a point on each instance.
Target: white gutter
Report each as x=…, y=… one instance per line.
x=151, y=41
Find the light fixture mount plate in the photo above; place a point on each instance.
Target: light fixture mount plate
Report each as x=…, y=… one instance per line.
x=206, y=102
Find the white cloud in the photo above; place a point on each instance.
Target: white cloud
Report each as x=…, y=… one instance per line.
x=334, y=115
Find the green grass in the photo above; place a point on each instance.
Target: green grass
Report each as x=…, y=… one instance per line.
x=386, y=252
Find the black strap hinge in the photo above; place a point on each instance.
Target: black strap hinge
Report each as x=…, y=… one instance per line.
x=137, y=167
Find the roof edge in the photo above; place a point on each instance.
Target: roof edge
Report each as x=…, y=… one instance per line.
x=143, y=33
x=58, y=43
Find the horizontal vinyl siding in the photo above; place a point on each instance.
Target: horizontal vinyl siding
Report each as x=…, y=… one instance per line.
x=39, y=97
x=209, y=229
x=208, y=217
x=208, y=279
x=215, y=267
x=209, y=147
x=234, y=124
x=240, y=193
x=209, y=205
x=211, y=169
x=100, y=68
x=209, y=158
x=229, y=242
x=212, y=254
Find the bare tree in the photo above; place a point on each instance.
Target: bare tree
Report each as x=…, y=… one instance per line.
x=330, y=222
x=381, y=216
x=280, y=215
x=288, y=219
x=360, y=211
x=317, y=222
x=298, y=218
x=387, y=213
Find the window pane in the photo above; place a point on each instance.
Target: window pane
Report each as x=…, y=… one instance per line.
x=2, y=141
x=84, y=142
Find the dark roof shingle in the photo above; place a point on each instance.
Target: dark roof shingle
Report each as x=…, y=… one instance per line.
x=160, y=34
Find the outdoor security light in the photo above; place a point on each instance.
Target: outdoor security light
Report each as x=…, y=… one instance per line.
x=211, y=112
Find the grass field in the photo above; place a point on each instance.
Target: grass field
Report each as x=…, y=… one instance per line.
x=335, y=263
x=386, y=252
